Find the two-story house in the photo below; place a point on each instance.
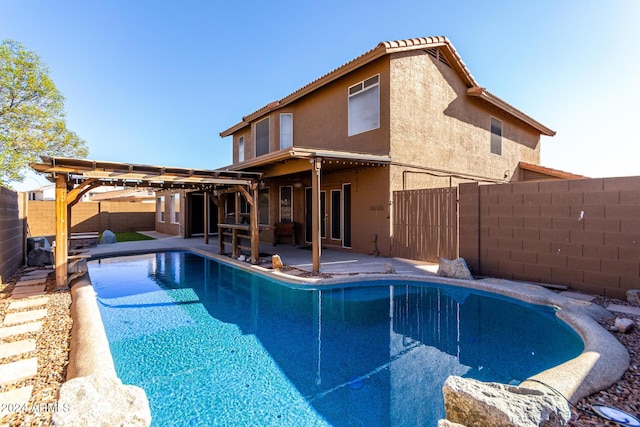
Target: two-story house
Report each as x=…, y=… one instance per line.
x=407, y=114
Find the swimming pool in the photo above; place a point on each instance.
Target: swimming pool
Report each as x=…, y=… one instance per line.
x=212, y=344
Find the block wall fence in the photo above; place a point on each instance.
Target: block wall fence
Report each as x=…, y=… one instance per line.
x=11, y=233
x=584, y=233
x=92, y=216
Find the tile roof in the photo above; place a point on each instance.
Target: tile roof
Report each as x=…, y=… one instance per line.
x=386, y=48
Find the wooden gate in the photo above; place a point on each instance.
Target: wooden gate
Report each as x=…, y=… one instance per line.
x=425, y=224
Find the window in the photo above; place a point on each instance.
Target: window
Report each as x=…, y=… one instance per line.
x=262, y=137
x=241, y=149
x=286, y=205
x=496, y=136
x=286, y=130
x=175, y=206
x=160, y=208
x=336, y=210
x=263, y=206
x=364, y=106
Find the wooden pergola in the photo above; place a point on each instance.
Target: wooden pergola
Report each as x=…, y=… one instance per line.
x=75, y=177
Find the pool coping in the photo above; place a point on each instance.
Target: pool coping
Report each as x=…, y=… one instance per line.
x=602, y=363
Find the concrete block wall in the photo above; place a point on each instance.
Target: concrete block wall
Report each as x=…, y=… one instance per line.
x=581, y=233
x=11, y=234
x=92, y=216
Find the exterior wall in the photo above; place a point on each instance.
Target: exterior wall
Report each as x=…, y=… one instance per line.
x=435, y=124
x=320, y=119
x=169, y=226
x=11, y=233
x=580, y=233
x=92, y=216
x=369, y=207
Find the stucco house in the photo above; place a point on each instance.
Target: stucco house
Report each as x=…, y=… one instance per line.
x=407, y=114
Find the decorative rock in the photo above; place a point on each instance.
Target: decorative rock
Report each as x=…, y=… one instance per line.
x=474, y=403
x=108, y=237
x=97, y=400
x=447, y=423
x=455, y=269
x=633, y=297
x=623, y=325
x=388, y=268
x=39, y=257
x=276, y=262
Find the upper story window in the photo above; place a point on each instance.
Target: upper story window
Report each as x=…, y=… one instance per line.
x=262, y=137
x=286, y=130
x=364, y=106
x=241, y=149
x=496, y=136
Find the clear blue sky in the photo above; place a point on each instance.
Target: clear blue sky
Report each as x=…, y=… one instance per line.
x=154, y=82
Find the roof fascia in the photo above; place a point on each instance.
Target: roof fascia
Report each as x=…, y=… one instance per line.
x=485, y=95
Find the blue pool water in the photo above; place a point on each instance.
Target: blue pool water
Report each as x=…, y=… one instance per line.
x=215, y=345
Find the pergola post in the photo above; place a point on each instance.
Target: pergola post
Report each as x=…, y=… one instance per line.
x=254, y=232
x=220, y=223
x=206, y=217
x=316, y=237
x=62, y=237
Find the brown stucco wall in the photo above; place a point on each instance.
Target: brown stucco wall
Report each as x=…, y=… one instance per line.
x=167, y=226
x=435, y=124
x=320, y=119
x=11, y=233
x=92, y=216
x=581, y=233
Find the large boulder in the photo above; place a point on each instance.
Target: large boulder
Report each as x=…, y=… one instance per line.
x=633, y=297
x=39, y=257
x=101, y=401
x=108, y=237
x=474, y=403
x=455, y=269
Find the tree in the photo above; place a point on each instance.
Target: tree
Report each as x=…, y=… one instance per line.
x=32, y=117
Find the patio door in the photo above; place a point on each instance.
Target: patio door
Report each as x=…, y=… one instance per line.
x=308, y=215
x=335, y=222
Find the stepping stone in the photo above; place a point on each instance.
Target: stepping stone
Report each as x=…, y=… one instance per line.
x=28, y=290
x=29, y=282
x=12, y=398
x=28, y=303
x=18, y=347
x=37, y=274
x=633, y=311
x=18, y=371
x=9, y=331
x=576, y=295
x=24, y=316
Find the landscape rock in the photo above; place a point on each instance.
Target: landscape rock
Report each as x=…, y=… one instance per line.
x=633, y=297
x=108, y=237
x=474, y=403
x=388, y=268
x=40, y=257
x=276, y=262
x=100, y=401
x=455, y=269
x=623, y=325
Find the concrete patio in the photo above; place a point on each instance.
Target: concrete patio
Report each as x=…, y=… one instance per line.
x=333, y=261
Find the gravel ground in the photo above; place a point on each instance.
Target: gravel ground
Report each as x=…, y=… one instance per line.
x=52, y=350
x=625, y=394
